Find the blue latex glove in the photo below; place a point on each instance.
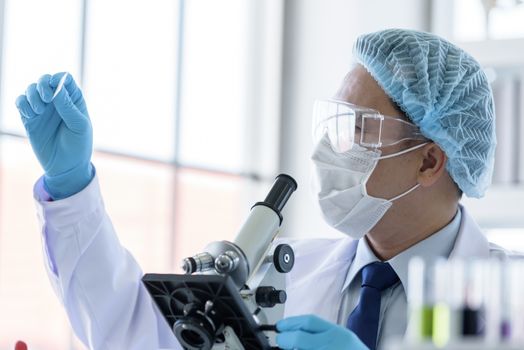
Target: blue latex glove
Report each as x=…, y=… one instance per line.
x=312, y=332
x=60, y=133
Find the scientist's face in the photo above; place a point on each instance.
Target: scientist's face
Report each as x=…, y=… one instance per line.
x=395, y=175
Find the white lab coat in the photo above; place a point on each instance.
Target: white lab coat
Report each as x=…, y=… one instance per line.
x=99, y=282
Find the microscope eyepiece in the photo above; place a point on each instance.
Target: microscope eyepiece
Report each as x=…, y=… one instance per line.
x=282, y=189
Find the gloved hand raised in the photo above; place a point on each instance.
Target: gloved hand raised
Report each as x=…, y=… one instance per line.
x=312, y=332
x=60, y=133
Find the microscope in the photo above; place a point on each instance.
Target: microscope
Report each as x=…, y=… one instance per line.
x=222, y=301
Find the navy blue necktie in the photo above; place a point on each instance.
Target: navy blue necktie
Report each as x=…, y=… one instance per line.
x=376, y=277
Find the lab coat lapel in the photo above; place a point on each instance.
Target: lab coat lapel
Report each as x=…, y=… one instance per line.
x=320, y=292
x=470, y=242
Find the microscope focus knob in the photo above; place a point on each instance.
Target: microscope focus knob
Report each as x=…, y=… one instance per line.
x=283, y=258
x=269, y=296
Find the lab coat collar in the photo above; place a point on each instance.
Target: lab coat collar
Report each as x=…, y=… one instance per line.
x=471, y=242
x=437, y=245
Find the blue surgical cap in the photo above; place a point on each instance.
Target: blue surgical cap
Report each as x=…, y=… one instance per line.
x=444, y=91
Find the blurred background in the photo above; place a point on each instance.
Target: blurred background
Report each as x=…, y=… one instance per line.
x=198, y=104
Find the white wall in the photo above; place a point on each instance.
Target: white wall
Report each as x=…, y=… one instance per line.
x=318, y=41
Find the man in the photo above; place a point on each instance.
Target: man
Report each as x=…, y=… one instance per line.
x=409, y=131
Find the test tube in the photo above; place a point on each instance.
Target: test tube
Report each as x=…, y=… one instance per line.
x=505, y=301
x=494, y=327
x=473, y=310
x=516, y=300
x=442, y=310
x=449, y=287
x=420, y=305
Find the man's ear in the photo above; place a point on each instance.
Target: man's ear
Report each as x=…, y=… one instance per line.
x=433, y=165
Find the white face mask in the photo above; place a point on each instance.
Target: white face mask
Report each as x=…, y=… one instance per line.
x=342, y=195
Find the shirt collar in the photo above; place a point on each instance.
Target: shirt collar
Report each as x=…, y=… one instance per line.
x=439, y=244
x=363, y=257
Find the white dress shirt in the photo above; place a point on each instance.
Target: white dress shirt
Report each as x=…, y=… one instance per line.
x=393, y=305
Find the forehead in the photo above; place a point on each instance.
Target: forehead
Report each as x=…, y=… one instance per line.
x=361, y=89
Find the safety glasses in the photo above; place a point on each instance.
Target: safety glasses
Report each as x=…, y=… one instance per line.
x=346, y=124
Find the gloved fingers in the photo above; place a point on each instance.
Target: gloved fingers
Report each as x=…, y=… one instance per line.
x=44, y=88
x=55, y=79
x=299, y=340
x=75, y=120
x=24, y=107
x=33, y=97
x=310, y=323
x=69, y=84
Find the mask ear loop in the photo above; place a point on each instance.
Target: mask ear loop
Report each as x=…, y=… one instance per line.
x=405, y=193
x=403, y=152
x=398, y=154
